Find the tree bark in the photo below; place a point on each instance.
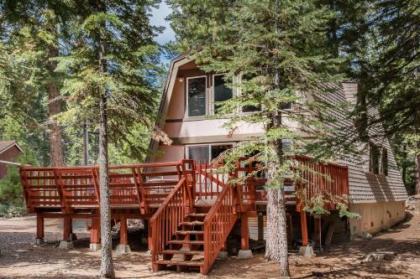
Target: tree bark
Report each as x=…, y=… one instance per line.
x=276, y=244
x=54, y=108
x=107, y=266
x=417, y=159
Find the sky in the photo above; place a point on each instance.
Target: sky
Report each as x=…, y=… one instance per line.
x=158, y=19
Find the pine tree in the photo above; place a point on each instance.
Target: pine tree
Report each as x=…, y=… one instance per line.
x=111, y=64
x=278, y=51
x=33, y=29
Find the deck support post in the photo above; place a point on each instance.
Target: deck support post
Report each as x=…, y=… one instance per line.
x=260, y=219
x=148, y=230
x=67, y=242
x=95, y=235
x=223, y=254
x=123, y=247
x=306, y=250
x=244, y=252
x=39, y=229
x=317, y=231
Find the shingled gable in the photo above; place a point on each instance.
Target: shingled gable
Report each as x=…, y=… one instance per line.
x=365, y=187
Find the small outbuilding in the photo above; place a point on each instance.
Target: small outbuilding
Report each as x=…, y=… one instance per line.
x=9, y=152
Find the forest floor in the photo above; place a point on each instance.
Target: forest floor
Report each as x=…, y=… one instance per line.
x=21, y=259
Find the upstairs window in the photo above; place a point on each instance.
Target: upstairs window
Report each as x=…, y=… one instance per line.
x=374, y=158
x=221, y=92
x=384, y=161
x=196, y=92
x=198, y=153
x=207, y=152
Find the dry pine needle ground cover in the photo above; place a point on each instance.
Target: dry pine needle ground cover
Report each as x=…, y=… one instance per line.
x=21, y=259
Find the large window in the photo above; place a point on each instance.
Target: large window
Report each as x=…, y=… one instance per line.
x=196, y=91
x=221, y=92
x=206, y=153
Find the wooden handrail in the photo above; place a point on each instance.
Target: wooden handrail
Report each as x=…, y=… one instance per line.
x=168, y=217
x=218, y=224
x=137, y=165
x=168, y=199
x=66, y=188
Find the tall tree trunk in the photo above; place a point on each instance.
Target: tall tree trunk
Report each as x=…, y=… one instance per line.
x=54, y=108
x=107, y=266
x=417, y=159
x=417, y=152
x=276, y=245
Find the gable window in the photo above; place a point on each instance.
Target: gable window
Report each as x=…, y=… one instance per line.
x=221, y=92
x=374, y=155
x=384, y=162
x=196, y=92
x=204, y=153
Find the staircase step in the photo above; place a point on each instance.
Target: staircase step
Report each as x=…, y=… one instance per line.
x=185, y=241
x=189, y=232
x=183, y=252
x=197, y=214
x=193, y=223
x=184, y=263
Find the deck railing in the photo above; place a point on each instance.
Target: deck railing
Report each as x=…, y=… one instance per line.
x=142, y=186
x=207, y=188
x=169, y=216
x=321, y=179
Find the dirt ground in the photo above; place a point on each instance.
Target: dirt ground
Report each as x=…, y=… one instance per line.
x=20, y=258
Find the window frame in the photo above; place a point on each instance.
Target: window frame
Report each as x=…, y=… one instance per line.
x=206, y=97
x=209, y=145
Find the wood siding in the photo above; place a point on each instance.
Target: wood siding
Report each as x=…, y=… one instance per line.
x=11, y=155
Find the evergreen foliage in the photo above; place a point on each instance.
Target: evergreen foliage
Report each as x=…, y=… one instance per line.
x=379, y=41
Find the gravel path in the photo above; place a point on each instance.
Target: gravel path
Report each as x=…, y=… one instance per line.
x=21, y=259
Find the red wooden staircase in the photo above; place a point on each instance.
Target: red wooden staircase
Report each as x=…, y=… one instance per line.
x=187, y=234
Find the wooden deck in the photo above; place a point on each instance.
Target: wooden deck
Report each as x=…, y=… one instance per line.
x=191, y=209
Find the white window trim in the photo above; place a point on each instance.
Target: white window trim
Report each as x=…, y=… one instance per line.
x=186, y=151
x=205, y=96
